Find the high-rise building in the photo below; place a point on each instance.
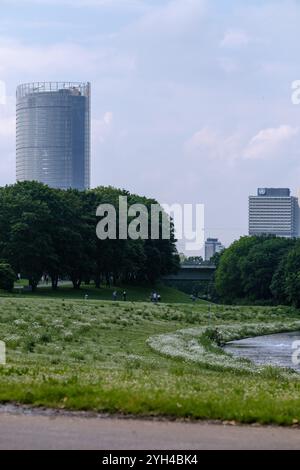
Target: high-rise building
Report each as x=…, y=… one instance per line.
x=273, y=212
x=212, y=246
x=53, y=134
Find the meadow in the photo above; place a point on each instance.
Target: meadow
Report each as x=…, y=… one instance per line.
x=142, y=359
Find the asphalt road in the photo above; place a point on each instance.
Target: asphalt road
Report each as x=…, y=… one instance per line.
x=35, y=431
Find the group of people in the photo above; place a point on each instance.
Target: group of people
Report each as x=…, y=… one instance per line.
x=44, y=278
x=115, y=295
x=155, y=297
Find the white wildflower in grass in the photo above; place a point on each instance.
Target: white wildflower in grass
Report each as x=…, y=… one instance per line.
x=20, y=322
x=93, y=352
x=68, y=335
x=193, y=345
x=57, y=322
x=12, y=340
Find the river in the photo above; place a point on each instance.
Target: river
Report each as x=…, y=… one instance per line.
x=276, y=350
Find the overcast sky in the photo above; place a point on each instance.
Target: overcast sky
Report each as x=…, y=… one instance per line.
x=191, y=99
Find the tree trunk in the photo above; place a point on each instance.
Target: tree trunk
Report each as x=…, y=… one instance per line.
x=33, y=284
x=54, y=282
x=98, y=281
x=76, y=283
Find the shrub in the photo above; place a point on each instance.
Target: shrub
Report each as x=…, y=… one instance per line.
x=214, y=335
x=7, y=277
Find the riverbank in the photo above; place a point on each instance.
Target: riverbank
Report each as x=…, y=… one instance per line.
x=95, y=355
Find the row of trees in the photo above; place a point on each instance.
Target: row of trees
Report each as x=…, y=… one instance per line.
x=45, y=231
x=260, y=269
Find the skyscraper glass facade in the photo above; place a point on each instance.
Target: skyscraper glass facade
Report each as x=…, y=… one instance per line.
x=53, y=134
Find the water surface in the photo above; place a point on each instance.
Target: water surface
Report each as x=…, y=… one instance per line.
x=276, y=350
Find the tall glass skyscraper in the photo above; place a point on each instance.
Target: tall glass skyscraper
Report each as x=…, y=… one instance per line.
x=53, y=134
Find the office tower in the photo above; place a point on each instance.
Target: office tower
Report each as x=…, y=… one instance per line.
x=273, y=212
x=53, y=134
x=212, y=246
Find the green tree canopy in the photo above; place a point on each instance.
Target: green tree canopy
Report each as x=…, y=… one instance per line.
x=45, y=231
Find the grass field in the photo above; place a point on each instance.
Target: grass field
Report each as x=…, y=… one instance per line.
x=143, y=359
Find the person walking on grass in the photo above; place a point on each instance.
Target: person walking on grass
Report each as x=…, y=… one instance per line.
x=115, y=295
x=124, y=295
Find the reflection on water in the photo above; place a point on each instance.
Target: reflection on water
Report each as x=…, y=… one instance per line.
x=275, y=350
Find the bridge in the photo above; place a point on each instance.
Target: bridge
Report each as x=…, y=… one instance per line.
x=192, y=273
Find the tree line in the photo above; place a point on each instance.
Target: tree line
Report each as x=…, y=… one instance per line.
x=45, y=231
x=262, y=269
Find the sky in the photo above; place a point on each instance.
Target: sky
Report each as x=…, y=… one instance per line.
x=191, y=99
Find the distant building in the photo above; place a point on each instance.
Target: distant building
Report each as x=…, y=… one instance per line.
x=273, y=212
x=53, y=134
x=212, y=246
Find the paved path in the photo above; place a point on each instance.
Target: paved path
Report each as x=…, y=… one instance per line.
x=35, y=431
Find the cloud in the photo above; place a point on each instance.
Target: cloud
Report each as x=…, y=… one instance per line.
x=59, y=60
x=7, y=126
x=175, y=17
x=7, y=141
x=269, y=143
x=228, y=64
x=235, y=39
x=8, y=168
x=102, y=127
x=188, y=91
x=7, y=120
x=81, y=3
x=208, y=144
x=204, y=138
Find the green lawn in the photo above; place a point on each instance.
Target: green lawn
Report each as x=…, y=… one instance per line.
x=97, y=355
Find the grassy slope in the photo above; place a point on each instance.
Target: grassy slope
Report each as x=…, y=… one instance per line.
x=134, y=294
x=93, y=355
